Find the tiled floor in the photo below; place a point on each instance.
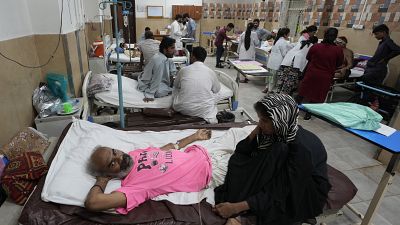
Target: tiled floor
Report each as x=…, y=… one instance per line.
x=347, y=153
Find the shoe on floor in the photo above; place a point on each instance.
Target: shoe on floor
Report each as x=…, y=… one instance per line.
x=244, y=81
x=307, y=116
x=265, y=90
x=219, y=66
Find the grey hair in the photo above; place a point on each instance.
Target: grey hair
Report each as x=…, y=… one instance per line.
x=91, y=168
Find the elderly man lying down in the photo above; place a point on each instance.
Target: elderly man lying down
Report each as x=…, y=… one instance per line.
x=147, y=173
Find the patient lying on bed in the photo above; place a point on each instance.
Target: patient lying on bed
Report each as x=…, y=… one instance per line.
x=147, y=173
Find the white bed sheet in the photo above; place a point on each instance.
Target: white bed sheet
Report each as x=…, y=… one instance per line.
x=68, y=182
x=355, y=73
x=134, y=98
x=125, y=59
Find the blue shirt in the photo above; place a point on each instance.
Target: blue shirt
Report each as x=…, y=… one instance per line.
x=191, y=28
x=262, y=34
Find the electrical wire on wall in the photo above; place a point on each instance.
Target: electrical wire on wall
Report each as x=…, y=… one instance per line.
x=54, y=52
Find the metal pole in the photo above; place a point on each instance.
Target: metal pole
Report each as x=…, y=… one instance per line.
x=120, y=97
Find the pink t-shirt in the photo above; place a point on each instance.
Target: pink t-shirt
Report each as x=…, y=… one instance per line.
x=156, y=172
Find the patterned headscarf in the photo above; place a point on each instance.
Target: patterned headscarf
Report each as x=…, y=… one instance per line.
x=283, y=111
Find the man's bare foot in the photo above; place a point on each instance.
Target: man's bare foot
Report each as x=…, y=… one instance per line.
x=233, y=221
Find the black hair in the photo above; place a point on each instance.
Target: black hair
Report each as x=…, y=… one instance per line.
x=281, y=33
x=146, y=29
x=247, y=36
x=256, y=20
x=343, y=38
x=309, y=29
x=178, y=16
x=381, y=28
x=148, y=35
x=166, y=43
x=330, y=36
x=311, y=40
x=199, y=53
x=231, y=25
x=260, y=108
x=186, y=15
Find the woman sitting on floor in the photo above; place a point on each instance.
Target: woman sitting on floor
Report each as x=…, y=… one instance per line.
x=278, y=173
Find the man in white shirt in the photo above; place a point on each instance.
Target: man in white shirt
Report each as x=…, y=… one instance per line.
x=176, y=31
x=195, y=87
x=155, y=81
x=148, y=48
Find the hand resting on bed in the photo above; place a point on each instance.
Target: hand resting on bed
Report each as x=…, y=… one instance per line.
x=147, y=173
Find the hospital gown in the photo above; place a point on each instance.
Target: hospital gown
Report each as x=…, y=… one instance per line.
x=194, y=91
x=155, y=81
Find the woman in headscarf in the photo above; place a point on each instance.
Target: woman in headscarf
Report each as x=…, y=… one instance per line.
x=278, y=173
x=344, y=70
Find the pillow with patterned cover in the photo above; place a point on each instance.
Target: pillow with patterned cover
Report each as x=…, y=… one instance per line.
x=28, y=139
x=22, y=174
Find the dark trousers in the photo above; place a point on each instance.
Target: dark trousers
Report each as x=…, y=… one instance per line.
x=220, y=51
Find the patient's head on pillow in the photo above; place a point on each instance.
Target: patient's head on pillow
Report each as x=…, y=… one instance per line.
x=109, y=162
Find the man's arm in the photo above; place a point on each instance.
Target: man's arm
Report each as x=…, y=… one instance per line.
x=216, y=85
x=141, y=59
x=177, y=81
x=96, y=200
x=176, y=29
x=202, y=134
x=394, y=48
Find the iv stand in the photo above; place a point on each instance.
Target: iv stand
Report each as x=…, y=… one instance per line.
x=125, y=6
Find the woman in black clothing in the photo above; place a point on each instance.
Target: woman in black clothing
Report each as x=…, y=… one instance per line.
x=279, y=172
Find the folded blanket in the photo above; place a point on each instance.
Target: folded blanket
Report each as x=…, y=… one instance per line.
x=347, y=114
x=99, y=83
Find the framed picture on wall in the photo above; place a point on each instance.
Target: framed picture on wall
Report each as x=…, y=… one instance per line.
x=155, y=11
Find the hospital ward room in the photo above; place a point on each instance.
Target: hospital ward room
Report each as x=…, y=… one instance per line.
x=200, y=112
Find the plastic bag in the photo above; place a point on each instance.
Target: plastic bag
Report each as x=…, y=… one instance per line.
x=45, y=103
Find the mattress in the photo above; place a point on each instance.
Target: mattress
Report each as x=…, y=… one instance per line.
x=125, y=59
x=38, y=212
x=69, y=165
x=133, y=98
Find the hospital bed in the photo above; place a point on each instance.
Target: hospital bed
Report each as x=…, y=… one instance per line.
x=262, y=55
x=180, y=60
x=133, y=99
x=355, y=74
x=389, y=143
x=59, y=196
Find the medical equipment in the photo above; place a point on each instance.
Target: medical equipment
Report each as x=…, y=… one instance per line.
x=125, y=6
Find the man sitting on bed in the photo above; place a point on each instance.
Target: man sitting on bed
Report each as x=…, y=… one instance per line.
x=155, y=81
x=194, y=88
x=147, y=173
